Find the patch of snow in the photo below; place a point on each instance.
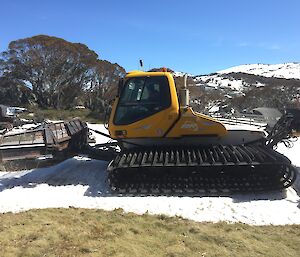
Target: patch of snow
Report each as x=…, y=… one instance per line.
x=181, y=74
x=217, y=81
x=214, y=109
x=99, y=138
x=291, y=153
x=22, y=128
x=258, y=84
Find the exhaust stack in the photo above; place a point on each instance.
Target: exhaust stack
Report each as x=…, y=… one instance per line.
x=184, y=93
x=142, y=64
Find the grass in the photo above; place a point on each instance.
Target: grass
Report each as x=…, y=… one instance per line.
x=54, y=114
x=81, y=232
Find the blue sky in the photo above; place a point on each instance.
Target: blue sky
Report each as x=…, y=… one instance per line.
x=193, y=36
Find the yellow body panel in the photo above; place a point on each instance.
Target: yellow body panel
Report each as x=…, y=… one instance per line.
x=172, y=122
x=191, y=123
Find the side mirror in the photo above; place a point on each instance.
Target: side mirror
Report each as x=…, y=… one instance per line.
x=120, y=86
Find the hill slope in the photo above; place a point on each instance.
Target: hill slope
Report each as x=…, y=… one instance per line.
x=249, y=86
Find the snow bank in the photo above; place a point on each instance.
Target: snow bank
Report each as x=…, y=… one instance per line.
x=81, y=182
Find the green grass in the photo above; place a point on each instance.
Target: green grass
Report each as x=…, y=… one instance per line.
x=54, y=114
x=81, y=232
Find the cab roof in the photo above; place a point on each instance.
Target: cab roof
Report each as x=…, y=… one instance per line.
x=139, y=73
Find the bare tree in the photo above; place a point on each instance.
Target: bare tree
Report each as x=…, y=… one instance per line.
x=57, y=71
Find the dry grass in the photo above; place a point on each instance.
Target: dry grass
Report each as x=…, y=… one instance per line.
x=81, y=232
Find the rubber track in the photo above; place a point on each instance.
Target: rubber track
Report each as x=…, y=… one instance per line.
x=212, y=170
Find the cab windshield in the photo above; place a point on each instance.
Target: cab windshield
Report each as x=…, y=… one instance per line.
x=142, y=97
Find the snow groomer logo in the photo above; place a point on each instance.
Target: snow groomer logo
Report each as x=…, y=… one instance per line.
x=190, y=125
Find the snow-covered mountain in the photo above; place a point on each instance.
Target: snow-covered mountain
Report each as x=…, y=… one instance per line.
x=241, y=78
x=285, y=70
x=249, y=86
